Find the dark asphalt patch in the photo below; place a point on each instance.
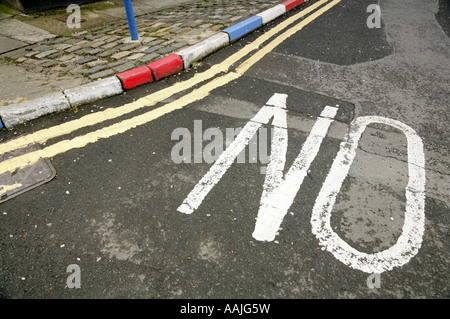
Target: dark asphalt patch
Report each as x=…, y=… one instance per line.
x=259, y=91
x=443, y=16
x=340, y=36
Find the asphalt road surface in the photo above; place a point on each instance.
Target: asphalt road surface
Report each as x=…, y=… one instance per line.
x=353, y=202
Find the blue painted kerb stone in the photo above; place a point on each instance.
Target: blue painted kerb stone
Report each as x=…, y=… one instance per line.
x=242, y=28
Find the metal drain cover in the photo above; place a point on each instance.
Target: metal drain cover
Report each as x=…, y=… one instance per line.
x=26, y=178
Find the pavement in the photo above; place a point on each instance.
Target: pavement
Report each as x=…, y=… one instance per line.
x=41, y=55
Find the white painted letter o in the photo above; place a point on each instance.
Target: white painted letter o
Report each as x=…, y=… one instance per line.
x=410, y=240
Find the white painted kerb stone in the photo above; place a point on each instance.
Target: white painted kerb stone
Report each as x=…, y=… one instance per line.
x=22, y=112
x=94, y=91
x=203, y=48
x=272, y=13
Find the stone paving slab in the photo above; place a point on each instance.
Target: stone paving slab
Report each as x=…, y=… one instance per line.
x=24, y=32
x=108, y=50
x=8, y=44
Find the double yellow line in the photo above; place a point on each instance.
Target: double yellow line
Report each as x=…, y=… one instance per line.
x=150, y=100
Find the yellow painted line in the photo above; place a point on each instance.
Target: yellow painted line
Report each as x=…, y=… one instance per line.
x=7, y=188
x=195, y=95
x=151, y=99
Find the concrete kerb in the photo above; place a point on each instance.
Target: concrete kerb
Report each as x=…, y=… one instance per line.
x=94, y=91
x=204, y=48
x=242, y=28
x=115, y=85
x=166, y=67
x=23, y=112
x=135, y=77
x=272, y=13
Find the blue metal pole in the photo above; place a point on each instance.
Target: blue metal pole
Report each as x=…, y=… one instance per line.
x=130, y=18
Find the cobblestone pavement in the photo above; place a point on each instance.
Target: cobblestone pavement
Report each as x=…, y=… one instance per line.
x=108, y=50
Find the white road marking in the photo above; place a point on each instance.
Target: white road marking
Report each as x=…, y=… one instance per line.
x=278, y=192
x=276, y=108
x=409, y=242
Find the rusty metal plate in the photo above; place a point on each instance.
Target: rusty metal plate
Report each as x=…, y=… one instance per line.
x=24, y=179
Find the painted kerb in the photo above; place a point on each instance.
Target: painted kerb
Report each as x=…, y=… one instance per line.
x=19, y=113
